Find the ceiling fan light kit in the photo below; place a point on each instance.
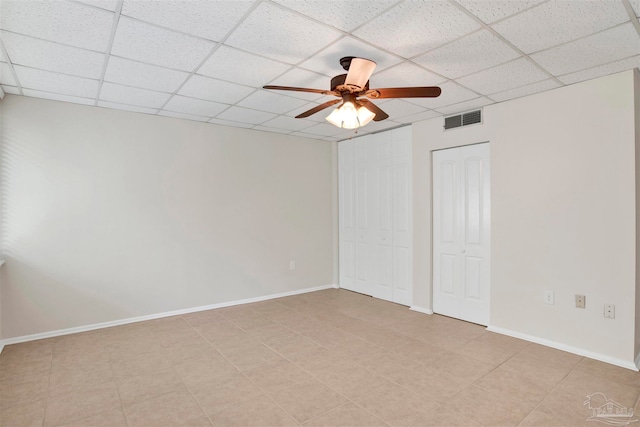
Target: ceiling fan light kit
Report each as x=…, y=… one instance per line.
x=353, y=112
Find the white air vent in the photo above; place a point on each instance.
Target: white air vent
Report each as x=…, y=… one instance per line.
x=464, y=119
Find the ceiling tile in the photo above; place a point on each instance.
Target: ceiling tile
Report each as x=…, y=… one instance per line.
x=419, y=117
x=132, y=96
x=397, y=108
x=494, y=10
x=636, y=7
x=416, y=26
x=607, y=46
x=51, y=56
x=468, y=55
x=10, y=89
x=507, y=76
x=280, y=34
x=525, y=90
x=198, y=107
x=462, y=107
x=318, y=117
x=132, y=73
x=297, y=77
x=327, y=61
x=232, y=64
x=6, y=76
x=452, y=93
x=379, y=126
x=126, y=107
x=323, y=129
x=230, y=123
x=405, y=74
x=147, y=43
x=556, y=22
x=245, y=115
x=59, y=21
x=184, y=116
x=214, y=90
x=271, y=102
x=602, y=70
x=289, y=123
x=2, y=57
x=345, y=15
x=204, y=18
x=272, y=130
x=35, y=79
x=102, y=4
x=57, y=97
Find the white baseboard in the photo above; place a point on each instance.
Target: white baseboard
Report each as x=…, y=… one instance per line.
x=564, y=347
x=420, y=309
x=103, y=325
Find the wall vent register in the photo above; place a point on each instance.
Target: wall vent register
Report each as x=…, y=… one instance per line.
x=464, y=119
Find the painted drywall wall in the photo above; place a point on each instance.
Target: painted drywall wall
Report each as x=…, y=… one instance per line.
x=111, y=215
x=563, y=208
x=636, y=87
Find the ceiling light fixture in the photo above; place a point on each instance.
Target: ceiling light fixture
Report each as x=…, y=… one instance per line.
x=350, y=115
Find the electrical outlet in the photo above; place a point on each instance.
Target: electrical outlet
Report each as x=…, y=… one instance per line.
x=292, y=265
x=548, y=297
x=580, y=301
x=609, y=311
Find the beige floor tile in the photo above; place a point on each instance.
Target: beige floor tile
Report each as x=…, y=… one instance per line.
x=259, y=411
x=193, y=348
x=202, y=317
x=198, y=422
x=609, y=372
x=24, y=415
x=18, y=370
x=28, y=350
x=219, y=331
x=140, y=364
x=386, y=363
x=173, y=409
x=70, y=378
x=30, y=390
x=142, y=387
x=307, y=399
x=489, y=409
x=77, y=405
x=536, y=370
x=350, y=380
x=347, y=415
x=444, y=417
x=228, y=391
x=70, y=358
x=293, y=346
x=434, y=385
x=582, y=384
x=197, y=371
x=566, y=406
x=462, y=367
x=511, y=385
x=490, y=349
x=113, y=418
x=395, y=405
x=277, y=376
x=78, y=343
x=539, y=418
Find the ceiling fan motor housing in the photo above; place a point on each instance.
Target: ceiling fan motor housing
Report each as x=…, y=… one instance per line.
x=337, y=85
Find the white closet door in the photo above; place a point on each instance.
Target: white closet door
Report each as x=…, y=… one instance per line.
x=461, y=233
x=366, y=218
x=346, y=214
x=383, y=288
x=402, y=216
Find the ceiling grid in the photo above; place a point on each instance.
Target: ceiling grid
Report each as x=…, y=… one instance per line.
x=207, y=60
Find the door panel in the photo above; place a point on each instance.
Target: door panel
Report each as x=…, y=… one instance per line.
x=461, y=230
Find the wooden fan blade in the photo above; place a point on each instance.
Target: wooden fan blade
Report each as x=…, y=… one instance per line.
x=301, y=89
x=359, y=72
x=404, y=92
x=380, y=115
x=318, y=108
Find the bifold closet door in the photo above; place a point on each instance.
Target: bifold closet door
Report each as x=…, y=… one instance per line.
x=346, y=216
x=461, y=232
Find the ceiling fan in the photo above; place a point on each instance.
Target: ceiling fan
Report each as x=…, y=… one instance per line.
x=355, y=112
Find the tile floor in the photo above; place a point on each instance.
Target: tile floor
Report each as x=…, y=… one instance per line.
x=329, y=358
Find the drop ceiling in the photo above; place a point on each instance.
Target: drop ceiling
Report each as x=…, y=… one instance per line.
x=206, y=60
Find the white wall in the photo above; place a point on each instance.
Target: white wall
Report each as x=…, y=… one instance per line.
x=563, y=203
x=110, y=214
x=637, y=158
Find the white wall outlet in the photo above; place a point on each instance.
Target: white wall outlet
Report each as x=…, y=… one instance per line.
x=548, y=297
x=609, y=311
x=580, y=301
x=292, y=265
